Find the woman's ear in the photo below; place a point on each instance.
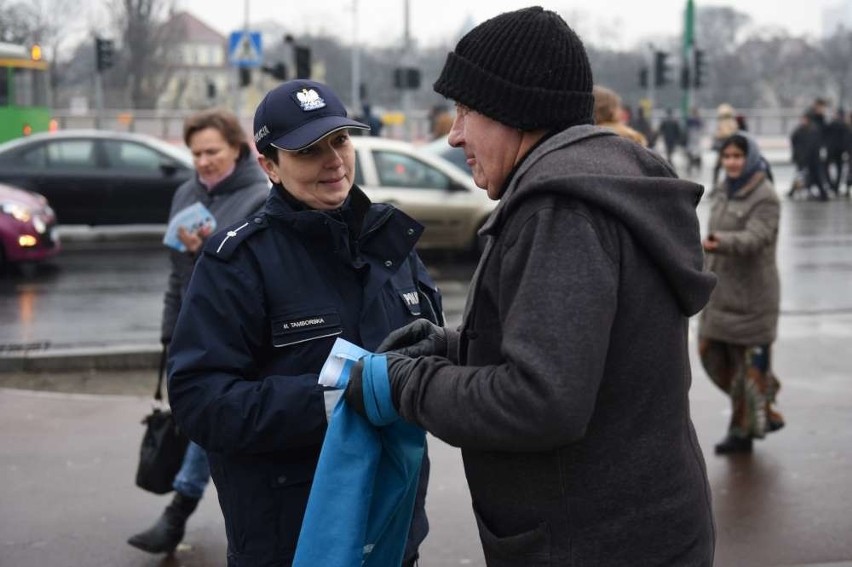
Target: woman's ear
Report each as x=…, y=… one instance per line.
x=270, y=167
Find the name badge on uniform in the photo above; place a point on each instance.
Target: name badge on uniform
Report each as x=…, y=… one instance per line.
x=290, y=330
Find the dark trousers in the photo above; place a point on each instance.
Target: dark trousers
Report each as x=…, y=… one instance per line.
x=816, y=176
x=834, y=161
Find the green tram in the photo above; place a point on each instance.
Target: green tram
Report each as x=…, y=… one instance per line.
x=24, y=92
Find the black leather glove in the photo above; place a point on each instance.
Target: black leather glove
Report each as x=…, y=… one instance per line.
x=419, y=338
x=399, y=367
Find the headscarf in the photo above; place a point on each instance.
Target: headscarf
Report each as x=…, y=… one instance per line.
x=754, y=161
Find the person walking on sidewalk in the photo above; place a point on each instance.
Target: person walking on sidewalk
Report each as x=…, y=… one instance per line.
x=268, y=297
x=672, y=134
x=566, y=387
x=739, y=324
x=231, y=185
x=837, y=138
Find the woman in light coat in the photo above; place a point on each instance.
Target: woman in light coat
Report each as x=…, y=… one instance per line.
x=739, y=324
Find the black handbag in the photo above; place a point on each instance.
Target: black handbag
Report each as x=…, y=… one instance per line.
x=163, y=445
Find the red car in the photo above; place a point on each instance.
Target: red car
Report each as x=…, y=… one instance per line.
x=27, y=226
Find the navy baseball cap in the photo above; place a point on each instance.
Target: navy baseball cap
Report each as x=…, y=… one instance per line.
x=297, y=113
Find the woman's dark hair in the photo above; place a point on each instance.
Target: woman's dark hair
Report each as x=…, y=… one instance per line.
x=270, y=152
x=222, y=120
x=736, y=140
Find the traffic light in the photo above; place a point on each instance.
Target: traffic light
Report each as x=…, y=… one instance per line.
x=643, y=77
x=661, y=69
x=406, y=78
x=303, y=62
x=700, y=67
x=104, y=50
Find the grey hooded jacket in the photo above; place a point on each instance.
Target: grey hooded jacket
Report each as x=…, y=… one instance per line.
x=569, y=395
x=234, y=198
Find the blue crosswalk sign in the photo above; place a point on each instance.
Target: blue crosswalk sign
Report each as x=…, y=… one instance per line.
x=244, y=49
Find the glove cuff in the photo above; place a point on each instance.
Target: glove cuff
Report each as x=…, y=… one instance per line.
x=453, y=340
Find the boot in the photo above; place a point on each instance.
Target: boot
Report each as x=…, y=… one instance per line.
x=732, y=444
x=167, y=532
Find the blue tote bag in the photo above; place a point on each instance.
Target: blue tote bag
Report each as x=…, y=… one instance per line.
x=362, y=499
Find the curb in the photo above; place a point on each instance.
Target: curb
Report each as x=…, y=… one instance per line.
x=84, y=237
x=111, y=357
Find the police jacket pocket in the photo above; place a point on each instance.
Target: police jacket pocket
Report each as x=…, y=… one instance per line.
x=290, y=330
x=530, y=548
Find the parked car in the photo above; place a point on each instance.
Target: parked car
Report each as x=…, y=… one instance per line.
x=434, y=192
x=442, y=148
x=27, y=226
x=95, y=177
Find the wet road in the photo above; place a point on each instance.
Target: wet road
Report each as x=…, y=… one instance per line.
x=112, y=294
x=67, y=459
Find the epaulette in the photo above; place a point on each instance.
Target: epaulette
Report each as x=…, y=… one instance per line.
x=224, y=243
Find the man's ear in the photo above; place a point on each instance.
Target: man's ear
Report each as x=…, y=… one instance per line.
x=268, y=167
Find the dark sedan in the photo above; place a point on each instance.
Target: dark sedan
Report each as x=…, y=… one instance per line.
x=96, y=177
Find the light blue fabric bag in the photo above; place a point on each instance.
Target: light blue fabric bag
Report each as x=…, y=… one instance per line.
x=362, y=499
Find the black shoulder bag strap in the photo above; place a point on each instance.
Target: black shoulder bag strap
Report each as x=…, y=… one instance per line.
x=158, y=393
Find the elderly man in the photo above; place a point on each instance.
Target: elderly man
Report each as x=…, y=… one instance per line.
x=566, y=386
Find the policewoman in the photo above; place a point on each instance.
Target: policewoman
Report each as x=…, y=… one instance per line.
x=267, y=300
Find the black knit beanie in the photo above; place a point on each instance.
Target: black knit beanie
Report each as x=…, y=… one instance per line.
x=526, y=69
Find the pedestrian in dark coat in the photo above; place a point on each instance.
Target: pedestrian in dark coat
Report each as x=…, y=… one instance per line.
x=566, y=386
x=268, y=297
x=671, y=132
x=837, y=134
x=805, y=142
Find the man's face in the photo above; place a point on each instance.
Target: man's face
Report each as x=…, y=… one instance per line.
x=491, y=148
x=321, y=175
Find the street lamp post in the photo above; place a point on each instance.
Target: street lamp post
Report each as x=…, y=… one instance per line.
x=356, y=61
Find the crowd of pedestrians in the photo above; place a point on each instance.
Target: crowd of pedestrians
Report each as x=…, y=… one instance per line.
x=821, y=150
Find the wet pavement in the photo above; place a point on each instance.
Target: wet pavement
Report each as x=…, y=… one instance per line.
x=67, y=456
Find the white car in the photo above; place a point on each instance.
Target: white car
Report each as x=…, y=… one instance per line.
x=438, y=194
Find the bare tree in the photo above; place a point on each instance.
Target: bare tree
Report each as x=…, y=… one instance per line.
x=16, y=21
x=146, y=47
x=719, y=29
x=836, y=54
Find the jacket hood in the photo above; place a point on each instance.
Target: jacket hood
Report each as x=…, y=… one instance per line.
x=632, y=184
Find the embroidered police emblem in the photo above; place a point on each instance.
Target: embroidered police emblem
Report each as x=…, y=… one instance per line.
x=309, y=99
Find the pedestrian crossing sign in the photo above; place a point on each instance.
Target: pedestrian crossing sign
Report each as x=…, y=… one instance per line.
x=244, y=49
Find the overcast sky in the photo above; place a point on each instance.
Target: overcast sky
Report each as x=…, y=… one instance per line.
x=618, y=23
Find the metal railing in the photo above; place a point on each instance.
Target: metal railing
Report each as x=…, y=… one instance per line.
x=168, y=124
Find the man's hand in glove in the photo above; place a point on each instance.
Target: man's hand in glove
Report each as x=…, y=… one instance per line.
x=420, y=338
x=399, y=368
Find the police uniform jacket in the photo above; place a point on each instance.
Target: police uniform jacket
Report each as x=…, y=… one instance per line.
x=267, y=300
x=569, y=395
